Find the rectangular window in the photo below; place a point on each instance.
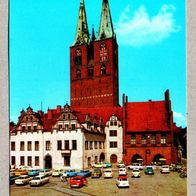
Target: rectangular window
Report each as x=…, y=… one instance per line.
x=21, y=146
x=99, y=145
x=113, y=144
x=74, y=145
x=23, y=128
x=66, y=160
x=13, y=160
x=47, y=145
x=29, y=145
x=60, y=127
x=91, y=145
x=13, y=147
x=73, y=126
x=163, y=139
x=66, y=144
x=153, y=139
x=133, y=140
x=36, y=161
x=34, y=128
x=59, y=145
x=111, y=123
x=36, y=145
x=95, y=144
x=22, y=161
x=113, y=133
x=29, y=161
x=29, y=128
x=86, y=145
x=143, y=139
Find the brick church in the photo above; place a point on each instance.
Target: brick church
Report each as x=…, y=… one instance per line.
x=132, y=132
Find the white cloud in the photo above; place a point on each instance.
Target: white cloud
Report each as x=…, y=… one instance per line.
x=179, y=119
x=141, y=29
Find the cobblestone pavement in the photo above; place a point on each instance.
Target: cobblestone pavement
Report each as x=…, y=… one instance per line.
x=155, y=185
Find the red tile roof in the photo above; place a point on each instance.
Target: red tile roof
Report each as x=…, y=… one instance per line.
x=151, y=115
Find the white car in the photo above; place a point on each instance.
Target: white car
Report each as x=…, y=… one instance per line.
x=122, y=171
x=23, y=179
x=165, y=169
x=122, y=181
x=45, y=172
x=57, y=172
x=39, y=180
x=120, y=164
x=108, y=173
x=136, y=173
x=135, y=165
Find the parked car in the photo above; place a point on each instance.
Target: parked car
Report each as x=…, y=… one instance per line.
x=85, y=173
x=33, y=172
x=106, y=164
x=165, y=169
x=122, y=171
x=77, y=181
x=122, y=181
x=70, y=173
x=120, y=164
x=108, y=173
x=20, y=172
x=45, y=172
x=97, y=165
x=39, y=180
x=57, y=172
x=13, y=178
x=23, y=179
x=149, y=170
x=96, y=173
x=135, y=165
x=136, y=173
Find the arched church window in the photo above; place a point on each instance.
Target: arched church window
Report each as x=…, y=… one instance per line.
x=103, y=70
x=78, y=73
x=78, y=56
x=103, y=52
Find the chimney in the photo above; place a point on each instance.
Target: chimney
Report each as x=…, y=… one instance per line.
x=167, y=95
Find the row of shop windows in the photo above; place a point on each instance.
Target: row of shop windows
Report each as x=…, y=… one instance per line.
x=67, y=127
x=47, y=145
x=152, y=138
x=89, y=145
x=28, y=162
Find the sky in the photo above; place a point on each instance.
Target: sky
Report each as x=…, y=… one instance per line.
x=152, y=55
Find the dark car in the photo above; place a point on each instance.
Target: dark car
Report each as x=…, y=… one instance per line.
x=96, y=173
x=149, y=170
x=13, y=178
x=85, y=173
x=77, y=181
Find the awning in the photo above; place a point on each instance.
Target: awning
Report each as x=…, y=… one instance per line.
x=162, y=159
x=139, y=159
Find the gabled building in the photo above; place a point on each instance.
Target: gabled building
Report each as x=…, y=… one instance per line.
x=95, y=127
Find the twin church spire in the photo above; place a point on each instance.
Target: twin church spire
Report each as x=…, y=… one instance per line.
x=105, y=28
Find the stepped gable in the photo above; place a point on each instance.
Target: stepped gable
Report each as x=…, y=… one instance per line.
x=143, y=116
x=101, y=113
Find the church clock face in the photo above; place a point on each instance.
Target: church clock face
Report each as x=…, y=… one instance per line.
x=78, y=56
x=103, y=52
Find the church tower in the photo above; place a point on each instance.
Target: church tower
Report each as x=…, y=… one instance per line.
x=94, y=63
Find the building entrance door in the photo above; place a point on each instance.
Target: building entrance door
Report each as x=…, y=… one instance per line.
x=48, y=162
x=113, y=158
x=66, y=160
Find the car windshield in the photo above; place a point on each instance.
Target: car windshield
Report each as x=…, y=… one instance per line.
x=123, y=179
x=108, y=171
x=36, y=178
x=135, y=170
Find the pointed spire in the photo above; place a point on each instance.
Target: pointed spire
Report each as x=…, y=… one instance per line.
x=82, y=33
x=105, y=28
x=93, y=34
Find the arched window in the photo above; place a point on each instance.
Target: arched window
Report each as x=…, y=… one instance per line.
x=78, y=74
x=103, y=52
x=103, y=70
